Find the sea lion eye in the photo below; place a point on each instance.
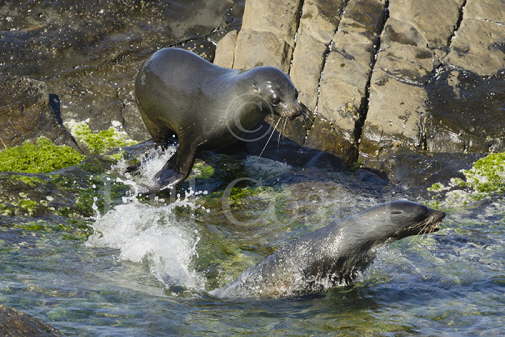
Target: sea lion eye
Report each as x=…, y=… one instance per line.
x=276, y=100
x=396, y=212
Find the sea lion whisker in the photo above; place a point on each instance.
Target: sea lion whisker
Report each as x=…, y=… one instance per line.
x=281, y=133
x=308, y=116
x=268, y=140
x=424, y=228
x=279, y=137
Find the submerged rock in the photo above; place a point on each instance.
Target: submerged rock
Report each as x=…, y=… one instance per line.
x=14, y=323
x=415, y=172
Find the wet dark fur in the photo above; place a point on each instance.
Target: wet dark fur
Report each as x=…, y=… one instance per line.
x=205, y=105
x=333, y=255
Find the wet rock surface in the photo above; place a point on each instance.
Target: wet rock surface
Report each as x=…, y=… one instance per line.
x=272, y=27
x=466, y=112
x=89, y=52
x=346, y=72
x=379, y=76
x=72, y=192
x=14, y=323
x=414, y=172
x=28, y=111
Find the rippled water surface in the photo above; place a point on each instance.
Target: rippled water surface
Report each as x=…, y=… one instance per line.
x=149, y=266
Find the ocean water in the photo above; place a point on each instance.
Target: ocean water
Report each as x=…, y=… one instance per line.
x=149, y=266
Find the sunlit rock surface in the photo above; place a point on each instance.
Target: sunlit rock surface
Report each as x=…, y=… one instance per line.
x=388, y=76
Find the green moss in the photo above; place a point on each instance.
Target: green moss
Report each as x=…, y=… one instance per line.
x=237, y=196
x=458, y=182
x=39, y=157
x=28, y=206
x=97, y=164
x=437, y=187
x=74, y=230
x=487, y=174
x=71, y=195
x=30, y=181
x=117, y=156
x=6, y=210
x=202, y=170
x=485, y=178
x=100, y=142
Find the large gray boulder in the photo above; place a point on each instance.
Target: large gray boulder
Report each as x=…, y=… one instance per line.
x=436, y=84
x=345, y=76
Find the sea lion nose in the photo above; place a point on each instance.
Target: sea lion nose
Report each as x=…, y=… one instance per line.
x=297, y=110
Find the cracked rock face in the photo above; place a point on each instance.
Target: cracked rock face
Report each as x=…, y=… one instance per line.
x=386, y=76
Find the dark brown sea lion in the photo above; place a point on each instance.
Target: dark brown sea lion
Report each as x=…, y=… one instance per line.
x=332, y=255
x=179, y=92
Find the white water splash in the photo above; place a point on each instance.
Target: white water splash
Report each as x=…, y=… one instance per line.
x=151, y=234
x=151, y=163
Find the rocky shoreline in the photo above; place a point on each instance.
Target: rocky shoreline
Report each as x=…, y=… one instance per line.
x=413, y=90
x=384, y=79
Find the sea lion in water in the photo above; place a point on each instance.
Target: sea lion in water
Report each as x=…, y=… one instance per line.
x=332, y=255
x=179, y=92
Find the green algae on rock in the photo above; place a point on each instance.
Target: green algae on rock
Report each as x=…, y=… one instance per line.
x=69, y=229
x=202, y=170
x=487, y=174
x=103, y=141
x=486, y=177
x=40, y=157
x=74, y=192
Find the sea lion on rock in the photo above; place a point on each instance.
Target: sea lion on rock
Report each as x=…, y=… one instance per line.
x=179, y=92
x=332, y=255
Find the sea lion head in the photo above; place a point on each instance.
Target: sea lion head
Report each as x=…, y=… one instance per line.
x=399, y=219
x=351, y=244
x=411, y=218
x=277, y=92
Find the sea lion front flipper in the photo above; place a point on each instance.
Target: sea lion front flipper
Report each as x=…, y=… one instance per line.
x=179, y=166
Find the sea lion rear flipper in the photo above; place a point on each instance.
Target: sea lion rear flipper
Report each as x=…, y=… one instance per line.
x=179, y=166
